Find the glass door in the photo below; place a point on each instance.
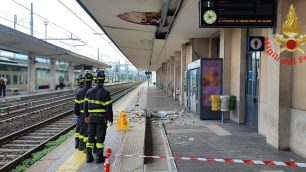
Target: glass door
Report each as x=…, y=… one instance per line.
x=252, y=83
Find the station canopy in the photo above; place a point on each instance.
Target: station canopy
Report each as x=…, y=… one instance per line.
x=133, y=25
x=19, y=42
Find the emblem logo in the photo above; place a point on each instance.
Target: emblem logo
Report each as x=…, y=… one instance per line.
x=291, y=29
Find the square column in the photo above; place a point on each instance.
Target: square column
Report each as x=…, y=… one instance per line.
x=168, y=78
x=183, y=70
x=52, y=73
x=83, y=70
x=276, y=106
x=31, y=74
x=177, y=74
x=164, y=74
x=71, y=74
x=171, y=76
x=225, y=54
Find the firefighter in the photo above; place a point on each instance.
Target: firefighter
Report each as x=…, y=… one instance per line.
x=79, y=106
x=80, y=82
x=98, y=112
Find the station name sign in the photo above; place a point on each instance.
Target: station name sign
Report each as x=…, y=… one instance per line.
x=237, y=13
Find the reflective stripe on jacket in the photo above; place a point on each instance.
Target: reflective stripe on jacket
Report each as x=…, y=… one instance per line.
x=98, y=100
x=79, y=100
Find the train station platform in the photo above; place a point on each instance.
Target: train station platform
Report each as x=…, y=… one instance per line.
x=194, y=140
x=178, y=141
x=25, y=95
x=41, y=92
x=66, y=158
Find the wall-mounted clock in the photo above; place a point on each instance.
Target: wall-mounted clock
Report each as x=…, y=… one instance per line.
x=210, y=17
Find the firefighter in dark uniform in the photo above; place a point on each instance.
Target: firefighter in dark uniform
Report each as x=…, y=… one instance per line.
x=98, y=112
x=79, y=110
x=80, y=82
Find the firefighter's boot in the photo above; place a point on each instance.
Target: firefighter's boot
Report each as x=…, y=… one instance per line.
x=94, y=150
x=77, y=143
x=100, y=157
x=89, y=156
x=82, y=145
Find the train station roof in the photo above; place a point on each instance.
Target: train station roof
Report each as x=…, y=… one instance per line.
x=127, y=24
x=19, y=42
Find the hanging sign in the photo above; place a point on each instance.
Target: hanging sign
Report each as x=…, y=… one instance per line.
x=256, y=43
x=237, y=13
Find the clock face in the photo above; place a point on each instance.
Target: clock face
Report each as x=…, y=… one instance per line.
x=210, y=17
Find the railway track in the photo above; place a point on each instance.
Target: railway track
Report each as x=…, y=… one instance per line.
x=35, y=107
x=23, y=109
x=20, y=145
x=16, y=102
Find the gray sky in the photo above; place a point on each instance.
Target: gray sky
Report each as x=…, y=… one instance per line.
x=61, y=24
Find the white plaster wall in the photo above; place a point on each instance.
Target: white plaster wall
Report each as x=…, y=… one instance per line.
x=298, y=132
x=299, y=78
x=262, y=106
x=237, y=86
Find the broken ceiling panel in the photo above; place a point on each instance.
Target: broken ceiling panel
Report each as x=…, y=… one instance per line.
x=144, y=18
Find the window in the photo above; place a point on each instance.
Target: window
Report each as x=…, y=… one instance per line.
x=15, y=79
x=22, y=79
x=9, y=80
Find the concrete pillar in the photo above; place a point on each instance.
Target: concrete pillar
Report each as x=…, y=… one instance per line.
x=177, y=74
x=52, y=75
x=275, y=108
x=83, y=70
x=183, y=70
x=157, y=76
x=160, y=75
x=164, y=74
x=31, y=74
x=238, y=73
x=71, y=75
x=168, y=78
x=225, y=54
x=189, y=55
x=171, y=76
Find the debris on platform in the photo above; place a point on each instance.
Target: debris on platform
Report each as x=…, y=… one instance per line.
x=137, y=116
x=161, y=114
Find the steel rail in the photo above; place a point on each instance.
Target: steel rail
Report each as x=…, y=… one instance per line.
x=4, y=141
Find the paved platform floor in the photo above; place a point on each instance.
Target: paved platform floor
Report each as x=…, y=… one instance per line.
x=66, y=158
x=191, y=137
x=179, y=134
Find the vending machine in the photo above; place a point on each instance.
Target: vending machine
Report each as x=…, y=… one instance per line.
x=193, y=90
x=205, y=78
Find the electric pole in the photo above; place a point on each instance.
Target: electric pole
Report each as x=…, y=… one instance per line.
x=15, y=21
x=31, y=22
x=46, y=29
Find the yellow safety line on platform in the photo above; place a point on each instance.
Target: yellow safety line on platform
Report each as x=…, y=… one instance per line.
x=77, y=159
x=73, y=163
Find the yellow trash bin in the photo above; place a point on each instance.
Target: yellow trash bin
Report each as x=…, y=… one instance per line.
x=215, y=102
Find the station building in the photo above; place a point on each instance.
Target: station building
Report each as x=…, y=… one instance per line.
x=270, y=93
x=29, y=72
x=273, y=100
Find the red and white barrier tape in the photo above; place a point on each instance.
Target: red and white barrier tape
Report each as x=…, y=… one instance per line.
x=239, y=161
